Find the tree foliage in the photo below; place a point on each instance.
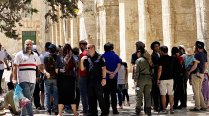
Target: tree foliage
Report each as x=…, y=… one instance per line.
x=11, y=12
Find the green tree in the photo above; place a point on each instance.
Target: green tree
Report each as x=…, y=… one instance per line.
x=11, y=13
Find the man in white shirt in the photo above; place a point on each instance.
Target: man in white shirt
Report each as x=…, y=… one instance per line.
x=24, y=72
x=3, y=59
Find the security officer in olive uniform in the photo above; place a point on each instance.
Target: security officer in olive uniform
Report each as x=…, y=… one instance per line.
x=143, y=81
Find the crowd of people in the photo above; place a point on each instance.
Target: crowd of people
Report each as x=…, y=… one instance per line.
x=162, y=78
x=56, y=79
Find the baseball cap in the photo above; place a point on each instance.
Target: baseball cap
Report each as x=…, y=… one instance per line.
x=199, y=44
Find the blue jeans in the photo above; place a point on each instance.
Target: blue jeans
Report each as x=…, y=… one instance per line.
x=28, y=89
x=50, y=88
x=83, y=93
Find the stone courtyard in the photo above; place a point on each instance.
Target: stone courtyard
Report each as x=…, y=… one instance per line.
x=127, y=110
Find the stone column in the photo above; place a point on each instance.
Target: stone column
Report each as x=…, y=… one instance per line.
x=122, y=30
x=100, y=13
x=142, y=21
x=206, y=23
x=61, y=32
x=112, y=23
x=52, y=33
x=71, y=32
x=199, y=4
x=166, y=19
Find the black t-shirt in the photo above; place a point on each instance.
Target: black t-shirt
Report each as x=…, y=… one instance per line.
x=202, y=57
x=133, y=58
x=166, y=63
x=94, y=69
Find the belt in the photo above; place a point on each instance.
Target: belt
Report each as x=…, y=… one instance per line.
x=144, y=74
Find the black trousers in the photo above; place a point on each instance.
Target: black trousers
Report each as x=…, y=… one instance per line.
x=179, y=92
x=156, y=96
x=77, y=97
x=110, y=90
x=36, y=95
x=125, y=94
x=95, y=92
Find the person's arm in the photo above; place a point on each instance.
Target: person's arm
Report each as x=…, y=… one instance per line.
x=14, y=73
x=206, y=67
x=112, y=75
x=137, y=69
x=5, y=61
x=159, y=74
x=103, y=76
x=194, y=66
x=126, y=75
x=82, y=67
x=41, y=67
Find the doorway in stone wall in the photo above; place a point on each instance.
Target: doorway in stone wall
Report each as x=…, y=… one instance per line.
x=28, y=35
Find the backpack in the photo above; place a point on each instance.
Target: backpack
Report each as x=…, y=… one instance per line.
x=50, y=65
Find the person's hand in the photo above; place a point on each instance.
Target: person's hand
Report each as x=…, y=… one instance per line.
x=188, y=73
x=14, y=81
x=158, y=82
x=8, y=68
x=103, y=82
x=84, y=57
x=47, y=75
x=112, y=75
x=38, y=79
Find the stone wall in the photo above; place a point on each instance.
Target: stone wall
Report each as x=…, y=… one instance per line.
x=154, y=22
x=183, y=25
x=131, y=23
x=183, y=22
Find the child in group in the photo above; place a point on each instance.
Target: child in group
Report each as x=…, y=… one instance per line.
x=188, y=61
x=8, y=100
x=123, y=85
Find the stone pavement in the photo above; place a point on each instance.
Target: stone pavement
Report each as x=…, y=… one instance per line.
x=129, y=110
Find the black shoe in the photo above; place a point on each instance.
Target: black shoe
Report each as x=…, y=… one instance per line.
x=55, y=113
x=49, y=112
x=203, y=109
x=195, y=110
x=115, y=112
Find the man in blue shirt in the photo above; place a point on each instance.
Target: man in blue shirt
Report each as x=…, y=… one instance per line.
x=112, y=62
x=197, y=76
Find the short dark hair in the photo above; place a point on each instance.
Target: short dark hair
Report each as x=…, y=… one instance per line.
x=108, y=47
x=75, y=51
x=52, y=48
x=164, y=49
x=141, y=50
x=82, y=42
x=153, y=44
x=174, y=50
x=10, y=85
x=47, y=44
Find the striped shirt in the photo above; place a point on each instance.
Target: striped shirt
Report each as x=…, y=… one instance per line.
x=26, y=66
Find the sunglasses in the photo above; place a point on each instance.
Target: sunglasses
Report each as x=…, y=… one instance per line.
x=89, y=48
x=28, y=44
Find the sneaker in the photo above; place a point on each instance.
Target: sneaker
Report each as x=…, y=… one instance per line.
x=163, y=112
x=195, y=110
x=171, y=111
